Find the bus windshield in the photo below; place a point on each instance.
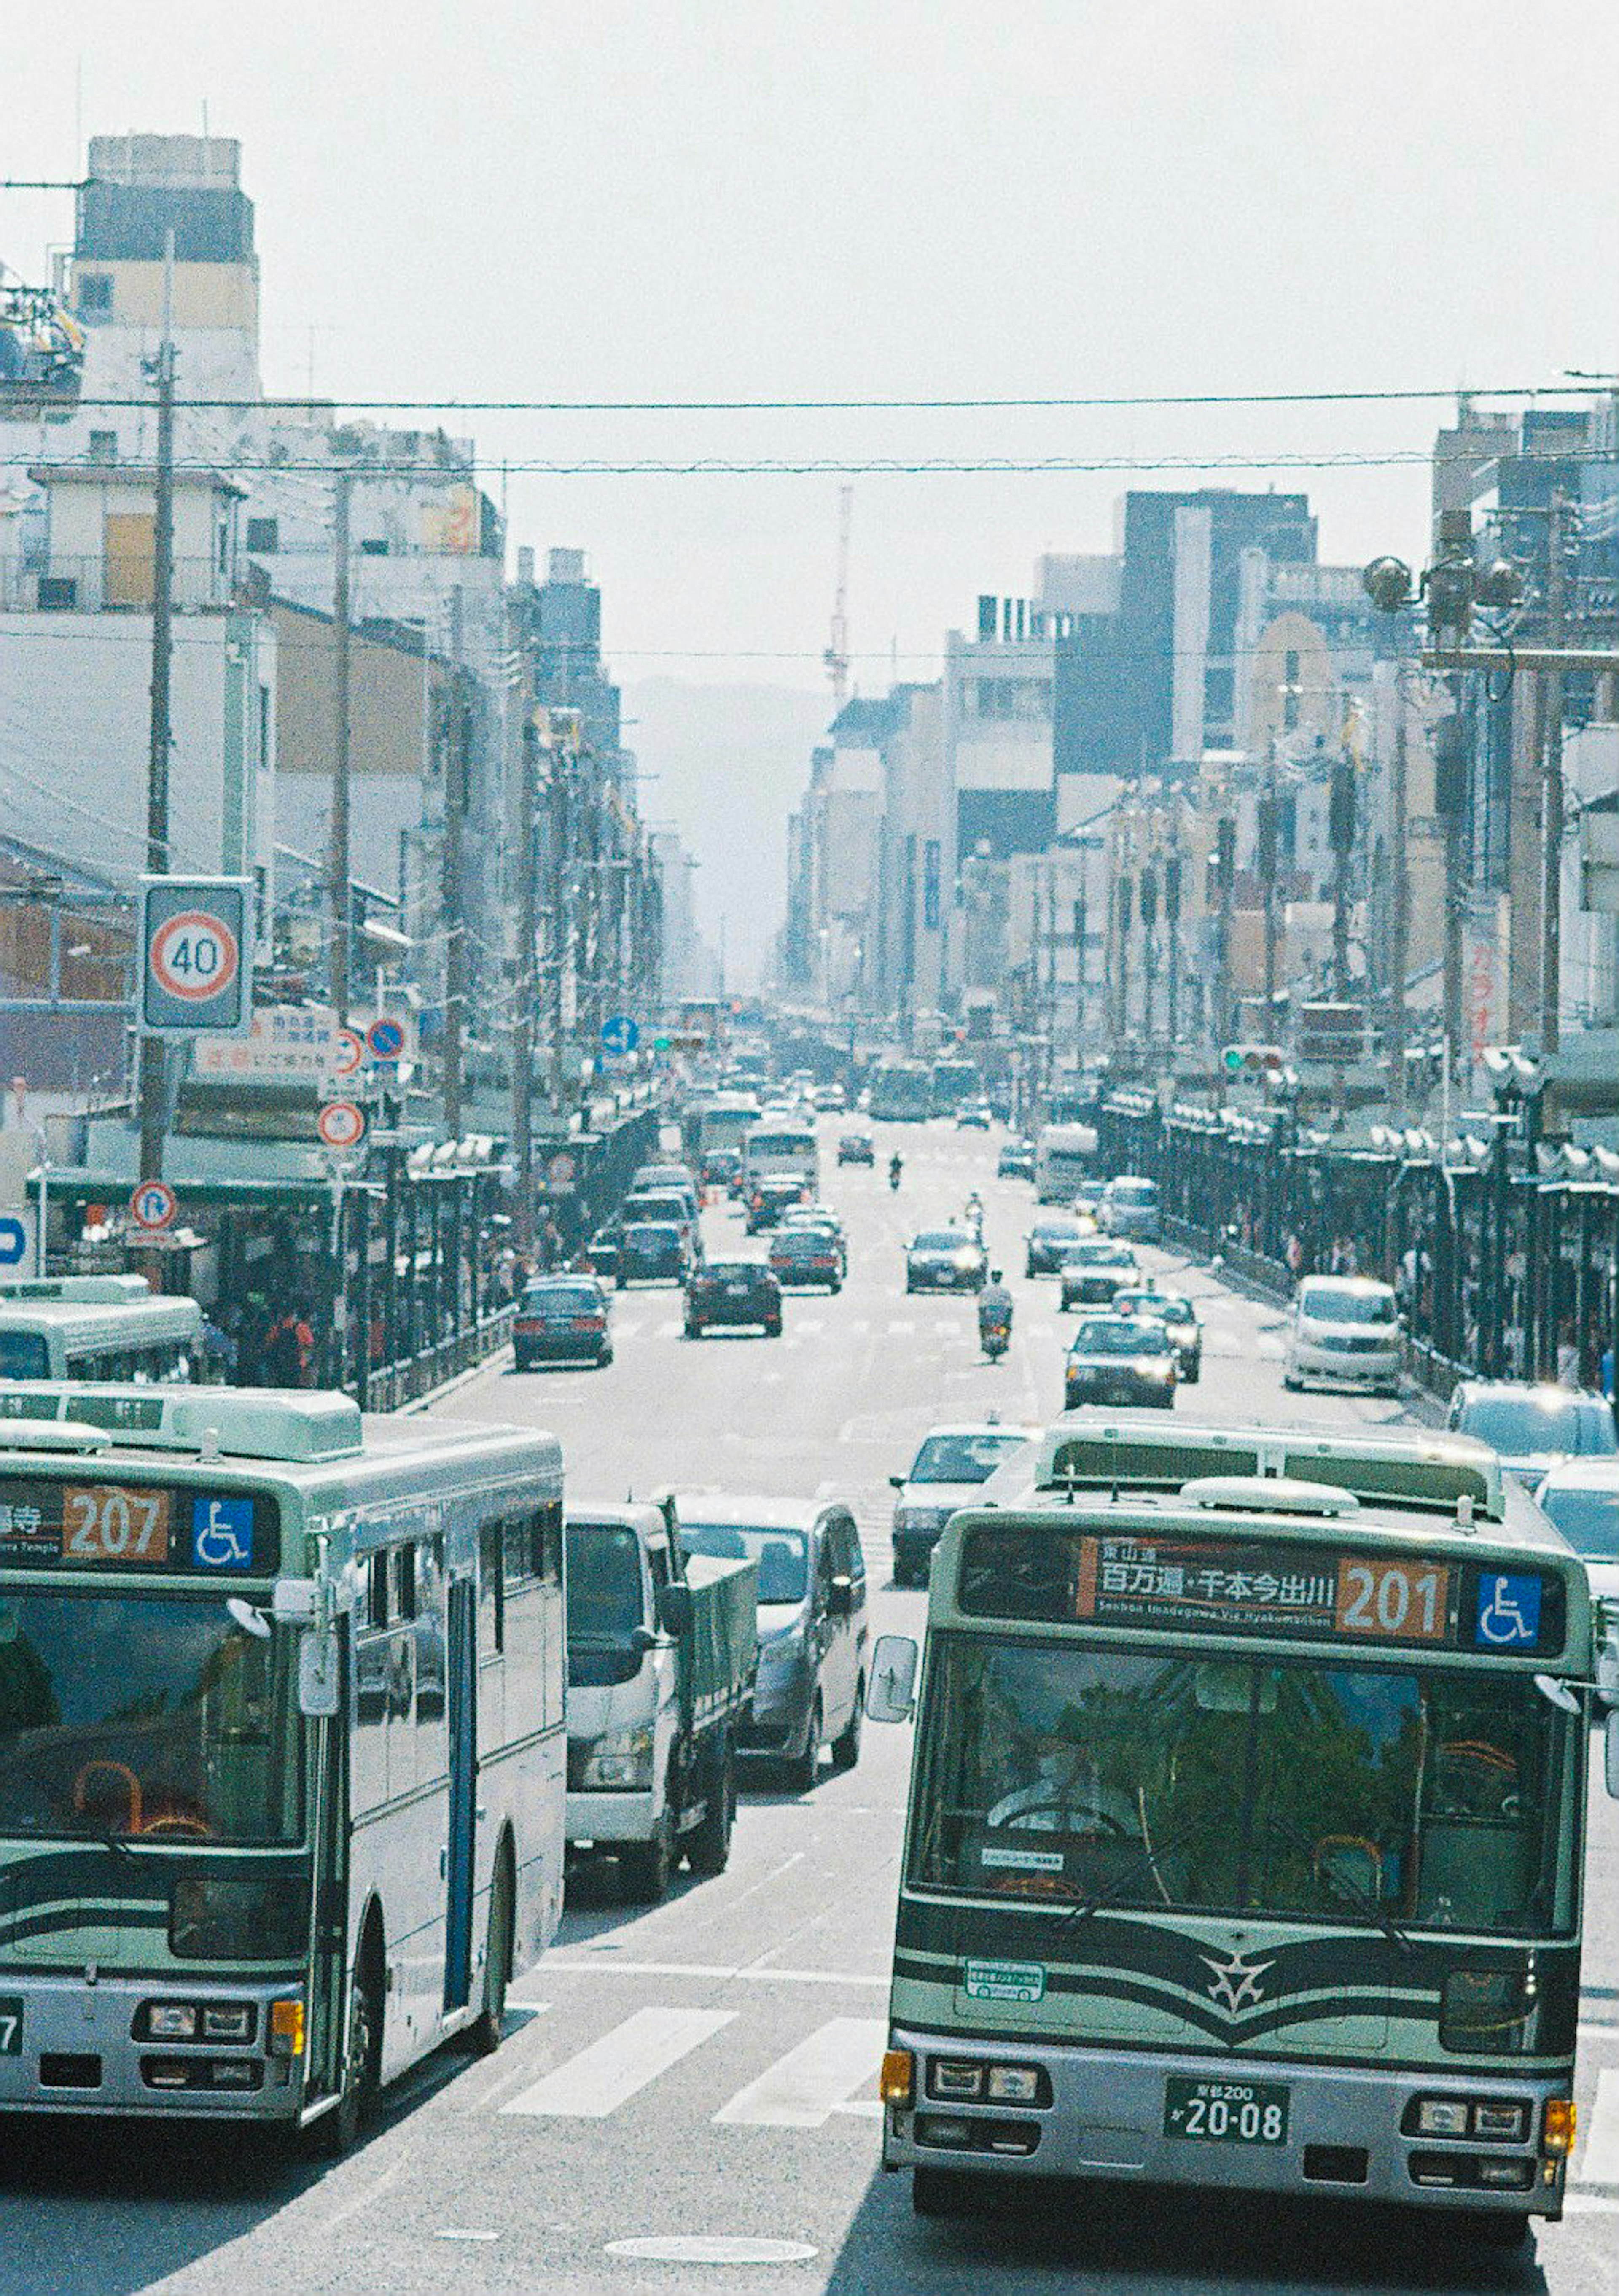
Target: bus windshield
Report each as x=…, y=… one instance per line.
x=23, y=1354
x=144, y=1717
x=1418, y=1794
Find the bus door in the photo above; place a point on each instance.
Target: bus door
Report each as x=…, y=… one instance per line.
x=326, y=1746
x=462, y=1847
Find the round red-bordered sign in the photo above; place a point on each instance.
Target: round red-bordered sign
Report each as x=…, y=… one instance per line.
x=340, y=1124
x=153, y=1206
x=194, y=957
x=350, y=1053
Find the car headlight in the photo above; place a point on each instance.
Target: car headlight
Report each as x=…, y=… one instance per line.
x=621, y=1759
x=1155, y=1366
x=916, y=1518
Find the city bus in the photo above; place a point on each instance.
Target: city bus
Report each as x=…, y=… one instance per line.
x=1246, y=1830
x=902, y=1092
x=781, y=1147
x=282, y=1747
x=717, y=1125
x=1065, y=1158
x=953, y=1082
x=97, y=1327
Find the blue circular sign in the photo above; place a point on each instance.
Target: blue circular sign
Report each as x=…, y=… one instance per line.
x=386, y=1039
x=620, y=1034
x=14, y=1242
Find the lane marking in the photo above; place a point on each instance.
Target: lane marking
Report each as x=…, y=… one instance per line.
x=600, y=2078
x=373, y=2192
x=750, y=1973
x=901, y=1327
x=670, y=1329
x=804, y=2089
x=1599, y=2160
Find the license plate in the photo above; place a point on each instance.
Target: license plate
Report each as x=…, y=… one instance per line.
x=1226, y=2111
x=736, y=1291
x=10, y=2024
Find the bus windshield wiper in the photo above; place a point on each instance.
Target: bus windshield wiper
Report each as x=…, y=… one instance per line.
x=1119, y=1887
x=1348, y=1892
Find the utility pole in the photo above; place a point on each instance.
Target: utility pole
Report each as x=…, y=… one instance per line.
x=1269, y=839
x=1552, y=829
x=450, y=900
x=522, y=1031
x=340, y=899
x=153, y=1078
x=1225, y=883
x=1081, y=939
x=1400, y=918
x=1172, y=922
x=558, y=937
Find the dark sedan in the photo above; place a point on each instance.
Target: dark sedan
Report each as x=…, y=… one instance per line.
x=561, y=1319
x=1016, y=1162
x=1049, y=1236
x=736, y=1293
x=1119, y=1359
x=806, y=1255
x=1179, y=1318
x=768, y=1201
x=944, y=1260
x=857, y=1148
x=652, y=1252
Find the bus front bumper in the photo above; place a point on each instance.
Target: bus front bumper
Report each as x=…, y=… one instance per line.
x=1349, y=2131
x=76, y=2046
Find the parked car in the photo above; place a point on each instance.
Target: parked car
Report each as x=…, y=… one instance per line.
x=1534, y=1428
x=561, y=1319
x=829, y=1098
x=974, y=1116
x=950, y=1466
x=1092, y=1271
x=1125, y=1359
x=945, y=1260
x=806, y=1255
x=813, y=1628
x=1049, y=1238
x=1016, y=1160
x=1344, y=1328
x=857, y=1148
x=1130, y=1207
x=1582, y=1496
x=1179, y=1318
x=771, y=1198
x=734, y=1293
x=653, y=1252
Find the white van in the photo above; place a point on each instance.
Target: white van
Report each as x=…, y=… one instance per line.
x=1344, y=1328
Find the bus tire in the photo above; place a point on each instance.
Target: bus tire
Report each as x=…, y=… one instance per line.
x=339, y=2131
x=484, y=2034
x=708, y=1845
x=941, y=2192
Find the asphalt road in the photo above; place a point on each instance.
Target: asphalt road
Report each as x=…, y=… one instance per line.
x=706, y=2070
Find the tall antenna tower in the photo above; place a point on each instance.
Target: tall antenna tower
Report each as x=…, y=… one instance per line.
x=837, y=654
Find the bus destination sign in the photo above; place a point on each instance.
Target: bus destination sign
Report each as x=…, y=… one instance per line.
x=1305, y=1593
x=73, y=1524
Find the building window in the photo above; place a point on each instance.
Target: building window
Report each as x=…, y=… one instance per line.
x=1289, y=691
x=94, y=292
x=374, y=546
x=264, y=534
x=103, y=446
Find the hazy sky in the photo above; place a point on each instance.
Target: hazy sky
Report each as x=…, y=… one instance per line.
x=766, y=199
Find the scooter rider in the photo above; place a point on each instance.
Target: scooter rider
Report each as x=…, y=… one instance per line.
x=994, y=1305
x=896, y=1165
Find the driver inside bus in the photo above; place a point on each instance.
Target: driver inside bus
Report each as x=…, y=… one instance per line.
x=1065, y=1794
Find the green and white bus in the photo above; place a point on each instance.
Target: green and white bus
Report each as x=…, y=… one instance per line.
x=282, y=1746
x=99, y=1328
x=1247, y=1826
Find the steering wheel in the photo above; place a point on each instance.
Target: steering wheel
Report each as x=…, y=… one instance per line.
x=1095, y=1821
x=126, y=1777
x=177, y=1821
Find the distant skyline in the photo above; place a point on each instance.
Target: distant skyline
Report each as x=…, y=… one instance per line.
x=700, y=201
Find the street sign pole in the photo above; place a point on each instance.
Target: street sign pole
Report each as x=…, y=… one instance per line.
x=150, y=1049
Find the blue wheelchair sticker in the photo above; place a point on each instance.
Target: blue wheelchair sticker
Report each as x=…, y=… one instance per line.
x=222, y=1534
x=1508, y=1611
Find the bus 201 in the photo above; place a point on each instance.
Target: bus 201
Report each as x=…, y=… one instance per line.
x=282, y=1747
x=1246, y=1823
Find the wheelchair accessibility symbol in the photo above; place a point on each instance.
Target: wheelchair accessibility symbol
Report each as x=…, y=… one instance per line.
x=1508, y=1610
x=222, y=1534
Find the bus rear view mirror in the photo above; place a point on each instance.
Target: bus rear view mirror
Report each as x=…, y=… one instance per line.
x=1610, y=1750
x=318, y=1672
x=891, y=1693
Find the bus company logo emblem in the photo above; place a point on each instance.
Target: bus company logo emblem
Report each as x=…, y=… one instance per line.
x=222, y=1534
x=1236, y=1985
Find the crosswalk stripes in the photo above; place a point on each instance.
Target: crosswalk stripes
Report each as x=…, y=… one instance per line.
x=1599, y=2155
x=804, y=2089
x=609, y=2071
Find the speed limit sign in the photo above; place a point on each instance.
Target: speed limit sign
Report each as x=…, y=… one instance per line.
x=196, y=970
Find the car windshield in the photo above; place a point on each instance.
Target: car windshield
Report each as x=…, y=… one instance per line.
x=1330, y=1304
x=23, y=1354
x=1541, y=1420
x=605, y=1602
x=133, y=1715
x=1095, y=1253
x=563, y=1295
x=781, y=1553
x=732, y=1271
x=1156, y=1305
x=1429, y=1795
x=1119, y=1335
x=962, y=1458
x=1588, y=1519
x=1054, y=1230
x=648, y=1236
x=1133, y=1191
x=942, y=1239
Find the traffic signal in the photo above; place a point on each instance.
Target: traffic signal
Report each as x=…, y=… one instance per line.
x=1225, y=853
x=1252, y=1060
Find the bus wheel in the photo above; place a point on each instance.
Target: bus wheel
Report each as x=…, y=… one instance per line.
x=339, y=2131
x=941, y=2192
x=708, y=1846
x=485, y=2033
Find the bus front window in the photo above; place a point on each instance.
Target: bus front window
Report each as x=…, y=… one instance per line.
x=23, y=1354
x=141, y=1716
x=1418, y=1795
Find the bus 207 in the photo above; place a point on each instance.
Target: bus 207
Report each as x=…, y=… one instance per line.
x=282, y=1747
x=1246, y=1837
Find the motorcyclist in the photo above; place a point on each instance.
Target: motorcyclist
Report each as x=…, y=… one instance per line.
x=975, y=1215
x=896, y=1165
x=994, y=1305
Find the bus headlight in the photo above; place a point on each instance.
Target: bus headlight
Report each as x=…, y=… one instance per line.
x=621, y=1760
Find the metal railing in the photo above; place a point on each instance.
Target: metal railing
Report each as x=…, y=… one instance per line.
x=115, y=582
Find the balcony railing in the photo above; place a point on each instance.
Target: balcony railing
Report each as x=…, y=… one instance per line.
x=111, y=584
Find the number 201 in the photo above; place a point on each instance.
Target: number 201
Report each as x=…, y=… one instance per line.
x=1381, y=1601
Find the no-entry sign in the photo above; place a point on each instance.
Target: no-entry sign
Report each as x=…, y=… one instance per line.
x=196, y=973
x=340, y=1124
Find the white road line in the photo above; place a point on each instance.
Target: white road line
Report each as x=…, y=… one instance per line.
x=808, y=1325
x=754, y=1974
x=804, y=2089
x=901, y=1327
x=611, y=2071
x=1599, y=2160
x=670, y=1329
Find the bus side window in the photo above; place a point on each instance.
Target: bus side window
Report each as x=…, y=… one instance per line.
x=491, y=1591
x=376, y=1593
x=404, y=1558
